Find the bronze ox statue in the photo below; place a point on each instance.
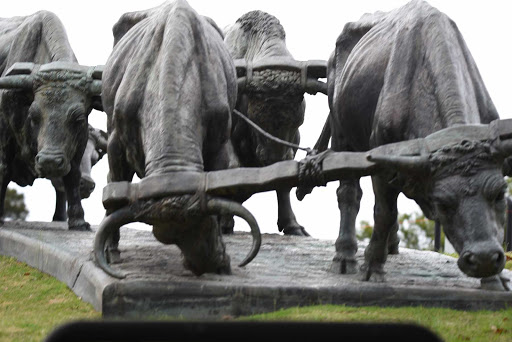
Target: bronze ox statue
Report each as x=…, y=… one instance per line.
x=400, y=76
x=451, y=140
x=169, y=88
x=45, y=99
x=271, y=87
x=95, y=150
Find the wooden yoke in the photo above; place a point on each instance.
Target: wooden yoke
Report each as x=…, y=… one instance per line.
x=310, y=71
x=335, y=166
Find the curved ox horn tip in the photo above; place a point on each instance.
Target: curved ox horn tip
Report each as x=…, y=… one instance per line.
x=224, y=206
x=95, y=87
x=313, y=86
x=107, y=227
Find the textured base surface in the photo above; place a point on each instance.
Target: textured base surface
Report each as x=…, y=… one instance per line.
x=288, y=271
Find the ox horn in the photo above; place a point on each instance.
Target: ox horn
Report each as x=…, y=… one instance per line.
x=224, y=206
x=402, y=163
x=96, y=73
x=108, y=226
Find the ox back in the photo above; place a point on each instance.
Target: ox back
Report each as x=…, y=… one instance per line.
x=403, y=75
x=169, y=87
x=257, y=36
x=44, y=125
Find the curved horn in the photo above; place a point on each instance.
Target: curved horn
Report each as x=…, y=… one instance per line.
x=313, y=86
x=95, y=88
x=107, y=227
x=16, y=82
x=224, y=206
x=402, y=163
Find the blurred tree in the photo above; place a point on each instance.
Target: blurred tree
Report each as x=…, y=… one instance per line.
x=365, y=231
x=14, y=208
x=410, y=227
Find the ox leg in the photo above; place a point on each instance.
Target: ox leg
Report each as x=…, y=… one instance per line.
x=286, y=221
x=227, y=224
x=5, y=179
x=385, y=216
x=76, y=219
x=349, y=197
x=119, y=171
x=60, y=206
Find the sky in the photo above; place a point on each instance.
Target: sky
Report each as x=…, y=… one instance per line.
x=311, y=31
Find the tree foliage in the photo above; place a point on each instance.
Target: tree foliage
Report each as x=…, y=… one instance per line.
x=415, y=231
x=14, y=207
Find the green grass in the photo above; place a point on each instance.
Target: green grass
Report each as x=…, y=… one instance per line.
x=32, y=303
x=450, y=325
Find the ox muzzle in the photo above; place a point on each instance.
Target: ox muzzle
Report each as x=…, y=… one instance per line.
x=482, y=260
x=52, y=164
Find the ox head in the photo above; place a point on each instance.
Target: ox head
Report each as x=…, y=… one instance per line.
x=63, y=95
x=275, y=90
x=94, y=150
x=462, y=186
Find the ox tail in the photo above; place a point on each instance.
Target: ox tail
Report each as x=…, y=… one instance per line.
x=224, y=206
x=107, y=227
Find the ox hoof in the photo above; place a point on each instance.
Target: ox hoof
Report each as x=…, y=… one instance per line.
x=295, y=230
x=79, y=225
x=393, y=248
x=495, y=283
x=375, y=274
x=341, y=265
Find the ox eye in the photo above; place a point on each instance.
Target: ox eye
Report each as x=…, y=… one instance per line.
x=445, y=206
x=34, y=116
x=499, y=196
x=77, y=116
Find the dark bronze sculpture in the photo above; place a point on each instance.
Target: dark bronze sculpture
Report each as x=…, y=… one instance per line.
x=169, y=88
x=44, y=106
x=404, y=75
x=94, y=151
x=272, y=97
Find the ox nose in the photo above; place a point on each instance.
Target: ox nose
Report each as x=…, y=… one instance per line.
x=87, y=186
x=482, y=262
x=51, y=164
